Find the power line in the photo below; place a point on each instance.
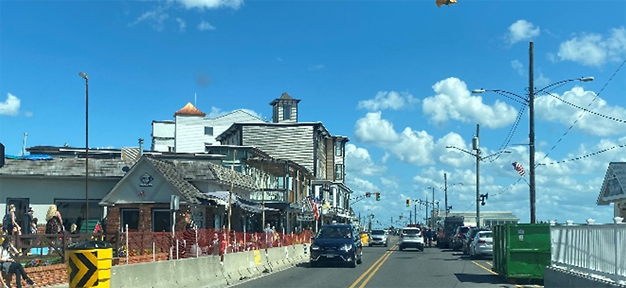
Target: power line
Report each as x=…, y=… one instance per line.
x=583, y=156
x=581, y=114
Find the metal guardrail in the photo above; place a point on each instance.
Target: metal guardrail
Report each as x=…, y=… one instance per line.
x=591, y=249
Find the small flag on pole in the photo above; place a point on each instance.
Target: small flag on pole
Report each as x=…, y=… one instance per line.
x=518, y=167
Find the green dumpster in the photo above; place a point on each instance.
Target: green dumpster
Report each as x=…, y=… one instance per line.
x=521, y=250
x=89, y=264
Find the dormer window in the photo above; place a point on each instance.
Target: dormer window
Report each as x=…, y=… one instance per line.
x=208, y=130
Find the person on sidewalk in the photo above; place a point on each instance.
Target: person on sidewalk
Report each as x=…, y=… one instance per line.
x=10, y=266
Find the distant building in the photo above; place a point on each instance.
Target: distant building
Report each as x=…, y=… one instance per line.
x=487, y=218
x=191, y=132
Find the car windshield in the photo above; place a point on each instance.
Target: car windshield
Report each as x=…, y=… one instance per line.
x=378, y=232
x=411, y=232
x=334, y=233
x=485, y=235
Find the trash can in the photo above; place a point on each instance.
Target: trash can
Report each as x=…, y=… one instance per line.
x=89, y=264
x=521, y=250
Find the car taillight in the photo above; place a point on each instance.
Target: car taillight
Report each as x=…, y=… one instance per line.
x=458, y=235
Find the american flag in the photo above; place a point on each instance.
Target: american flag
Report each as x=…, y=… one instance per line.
x=313, y=201
x=518, y=167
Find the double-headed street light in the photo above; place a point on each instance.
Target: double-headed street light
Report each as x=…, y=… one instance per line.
x=479, y=157
x=84, y=76
x=531, y=111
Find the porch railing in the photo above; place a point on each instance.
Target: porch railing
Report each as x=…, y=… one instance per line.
x=596, y=250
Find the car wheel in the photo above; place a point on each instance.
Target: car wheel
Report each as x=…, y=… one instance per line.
x=369, y=245
x=400, y=248
x=359, y=261
x=313, y=264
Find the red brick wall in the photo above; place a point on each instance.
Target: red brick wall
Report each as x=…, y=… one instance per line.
x=145, y=216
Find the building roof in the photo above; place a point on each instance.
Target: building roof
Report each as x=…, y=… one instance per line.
x=64, y=167
x=199, y=171
x=613, y=184
x=190, y=110
x=284, y=98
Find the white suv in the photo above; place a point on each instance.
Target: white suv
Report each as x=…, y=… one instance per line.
x=411, y=237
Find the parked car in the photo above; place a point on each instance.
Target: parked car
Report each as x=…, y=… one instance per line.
x=411, y=237
x=336, y=243
x=459, y=237
x=470, y=237
x=378, y=237
x=482, y=245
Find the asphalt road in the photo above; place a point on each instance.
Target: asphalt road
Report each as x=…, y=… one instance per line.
x=388, y=267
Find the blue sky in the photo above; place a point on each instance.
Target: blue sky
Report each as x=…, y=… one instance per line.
x=393, y=76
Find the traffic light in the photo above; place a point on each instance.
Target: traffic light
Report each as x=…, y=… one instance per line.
x=408, y=202
x=377, y=196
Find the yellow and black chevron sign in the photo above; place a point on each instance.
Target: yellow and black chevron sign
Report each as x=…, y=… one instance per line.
x=83, y=268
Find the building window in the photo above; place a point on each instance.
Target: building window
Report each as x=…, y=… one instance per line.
x=208, y=130
x=161, y=220
x=73, y=212
x=338, y=148
x=170, y=148
x=338, y=171
x=129, y=217
x=286, y=112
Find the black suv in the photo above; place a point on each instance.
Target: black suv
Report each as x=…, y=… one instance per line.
x=337, y=243
x=459, y=237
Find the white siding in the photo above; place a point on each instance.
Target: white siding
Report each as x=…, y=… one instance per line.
x=186, y=133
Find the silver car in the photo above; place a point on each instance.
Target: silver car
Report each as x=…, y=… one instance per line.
x=411, y=237
x=378, y=237
x=482, y=245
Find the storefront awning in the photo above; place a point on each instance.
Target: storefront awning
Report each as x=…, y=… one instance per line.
x=223, y=198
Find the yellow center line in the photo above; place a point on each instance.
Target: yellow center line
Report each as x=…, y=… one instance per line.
x=481, y=266
x=379, y=260
x=375, y=270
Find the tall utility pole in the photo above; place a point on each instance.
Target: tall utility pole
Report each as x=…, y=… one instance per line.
x=445, y=192
x=476, y=147
x=531, y=134
x=86, y=219
x=415, y=209
x=432, y=220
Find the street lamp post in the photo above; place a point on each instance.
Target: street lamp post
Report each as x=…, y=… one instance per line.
x=477, y=154
x=84, y=76
x=531, y=113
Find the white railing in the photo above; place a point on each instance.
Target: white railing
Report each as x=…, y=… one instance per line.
x=595, y=250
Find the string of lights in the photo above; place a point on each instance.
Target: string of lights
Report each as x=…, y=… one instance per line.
x=583, y=156
x=581, y=114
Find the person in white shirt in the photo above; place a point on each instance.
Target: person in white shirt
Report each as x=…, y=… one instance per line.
x=10, y=266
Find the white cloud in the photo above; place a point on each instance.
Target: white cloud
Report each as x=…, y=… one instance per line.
x=155, y=18
x=410, y=146
x=11, y=106
x=594, y=49
x=550, y=109
x=454, y=102
x=388, y=100
x=358, y=161
x=181, y=24
x=542, y=80
x=522, y=30
x=518, y=66
x=204, y=26
x=211, y=4
x=373, y=129
x=316, y=67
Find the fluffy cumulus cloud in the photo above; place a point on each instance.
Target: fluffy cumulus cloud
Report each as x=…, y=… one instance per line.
x=358, y=161
x=454, y=102
x=552, y=109
x=522, y=30
x=388, y=100
x=373, y=129
x=10, y=106
x=211, y=4
x=409, y=146
x=592, y=49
